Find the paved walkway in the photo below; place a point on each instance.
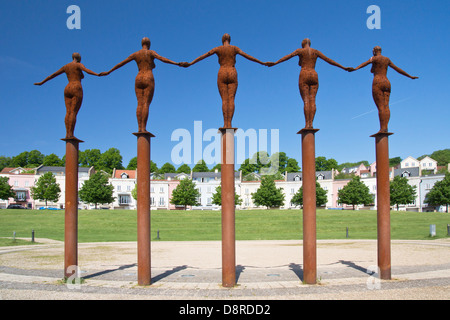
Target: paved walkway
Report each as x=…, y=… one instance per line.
x=192, y=270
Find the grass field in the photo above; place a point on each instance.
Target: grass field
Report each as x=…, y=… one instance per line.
x=120, y=225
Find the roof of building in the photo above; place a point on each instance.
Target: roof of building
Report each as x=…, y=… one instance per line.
x=127, y=174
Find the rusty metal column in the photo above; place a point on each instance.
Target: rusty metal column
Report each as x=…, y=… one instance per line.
x=143, y=208
x=71, y=208
x=383, y=204
x=309, y=205
x=228, y=208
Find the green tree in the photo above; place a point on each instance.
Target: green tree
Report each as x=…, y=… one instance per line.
x=4, y=162
x=90, y=158
x=185, y=194
x=268, y=194
x=46, y=188
x=292, y=165
x=439, y=195
x=218, y=167
x=321, y=196
x=401, y=191
x=110, y=159
x=132, y=164
x=167, y=168
x=97, y=189
x=6, y=190
x=247, y=167
x=184, y=168
x=200, y=167
x=35, y=159
x=217, y=197
x=355, y=192
x=260, y=160
x=394, y=161
x=324, y=164
x=21, y=160
x=52, y=160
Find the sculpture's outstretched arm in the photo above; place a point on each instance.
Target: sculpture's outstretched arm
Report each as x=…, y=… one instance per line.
x=88, y=71
x=330, y=61
x=249, y=57
x=203, y=56
x=54, y=75
x=163, y=59
x=362, y=65
x=287, y=57
x=393, y=66
x=119, y=65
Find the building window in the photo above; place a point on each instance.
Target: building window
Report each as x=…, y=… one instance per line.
x=292, y=191
x=21, y=196
x=246, y=191
x=27, y=183
x=152, y=189
x=297, y=178
x=152, y=201
x=128, y=188
x=407, y=164
x=208, y=201
x=161, y=190
x=161, y=201
x=124, y=199
x=119, y=188
x=16, y=183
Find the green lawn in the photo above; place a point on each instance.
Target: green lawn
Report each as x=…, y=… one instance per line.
x=120, y=225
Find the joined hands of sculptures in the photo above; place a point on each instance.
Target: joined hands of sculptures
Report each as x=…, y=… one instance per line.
x=73, y=93
x=227, y=79
x=144, y=83
x=381, y=87
x=308, y=81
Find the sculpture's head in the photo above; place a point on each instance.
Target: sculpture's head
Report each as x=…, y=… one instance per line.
x=146, y=42
x=226, y=37
x=76, y=56
x=376, y=51
x=306, y=42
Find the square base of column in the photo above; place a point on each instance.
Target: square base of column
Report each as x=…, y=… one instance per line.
x=308, y=130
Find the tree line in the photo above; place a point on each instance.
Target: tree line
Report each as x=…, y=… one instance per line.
x=112, y=159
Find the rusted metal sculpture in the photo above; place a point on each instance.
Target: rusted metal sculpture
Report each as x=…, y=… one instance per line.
x=381, y=87
x=73, y=93
x=227, y=82
x=381, y=90
x=73, y=98
x=308, y=82
x=227, y=79
x=144, y=83
x=144, y=88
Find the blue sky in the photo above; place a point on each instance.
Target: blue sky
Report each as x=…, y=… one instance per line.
x=36, y=42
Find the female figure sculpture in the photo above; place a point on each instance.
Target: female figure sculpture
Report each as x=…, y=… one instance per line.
x=308, y=81
x=144, y=83
x=381, y=87
x=73, y=93
x=227, y=80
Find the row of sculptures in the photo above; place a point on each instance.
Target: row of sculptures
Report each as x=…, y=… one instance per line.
x=227, y=80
